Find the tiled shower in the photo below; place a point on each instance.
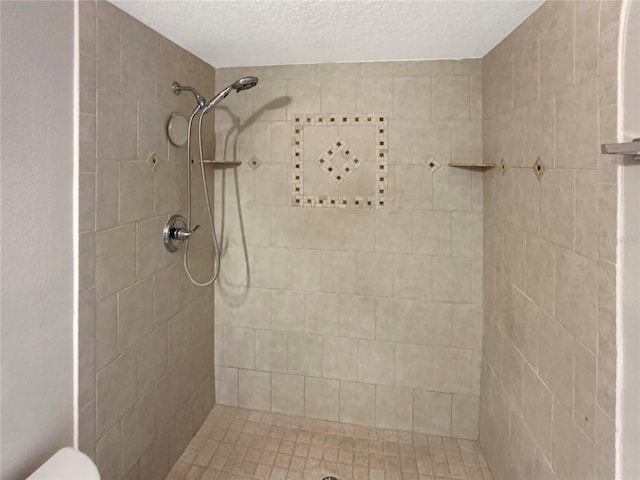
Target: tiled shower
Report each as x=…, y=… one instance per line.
x=364, y=280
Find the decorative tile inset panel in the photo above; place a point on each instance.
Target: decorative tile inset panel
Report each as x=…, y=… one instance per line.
x=339, y=160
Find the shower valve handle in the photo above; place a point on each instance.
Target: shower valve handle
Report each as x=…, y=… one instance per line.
x=183, y=233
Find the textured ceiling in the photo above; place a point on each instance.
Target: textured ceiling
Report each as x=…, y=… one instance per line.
x=233, y=33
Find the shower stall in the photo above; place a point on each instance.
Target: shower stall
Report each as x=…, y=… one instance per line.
x=412, y=274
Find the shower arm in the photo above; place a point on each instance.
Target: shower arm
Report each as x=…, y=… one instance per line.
x=177, y=89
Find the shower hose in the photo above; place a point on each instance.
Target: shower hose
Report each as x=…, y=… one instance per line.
x=214, y=238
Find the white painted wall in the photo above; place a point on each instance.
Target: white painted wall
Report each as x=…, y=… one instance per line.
x=36, y=205
x=628, y=384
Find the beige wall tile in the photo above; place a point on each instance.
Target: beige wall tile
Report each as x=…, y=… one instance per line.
x=166, y=297
x=539, y=131
x=321, y=314
x=106, y=336
x=412, y=276
x=305, y=96
x=577, y=126
x=138, y=430
x=287, y=310
x=465, y=416
x=339, y=93
x=375, y=274
x=556, y=207
x=375, y=94
x=321, y=398
x=113, y=272
x=339, y=272
x=135, y=313
x=556, y=47
x=238, y=347
x=432, y=233
x=107, y=174
x=452, y=189
x=527, y=201
x=116, y=125
x=540, y=276
x=466, y=141
x=357, y=403
x=254, y=390
x=576, y=296
x=357, y=316
x=116, y=391
x=452, y=370
x=226, y=386
x=340, y=358
x=414, y=366
x=393, y=230
x=512, y=373
x=108, y=456
x=452, y=282
x=573, y=455
x=271, y=184
x=152, y=358
x=431, y=139
x=287, y=394
x=394, y=407
x=271, y=351
x=466, y=234
x=584, y=390
x=135, y=197
x=525, y=331
x=606, y=375
x=376, y=362
x=450, y=98
x=432, y=323
x=151, y=256
x=466, y=327
x=556, y=360
x=432, y=412
x=179, y=335
x=416, y=105
x=285, y=227
x=393, y=319
x=305, y=354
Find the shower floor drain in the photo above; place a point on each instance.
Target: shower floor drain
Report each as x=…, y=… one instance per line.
x=329, y=478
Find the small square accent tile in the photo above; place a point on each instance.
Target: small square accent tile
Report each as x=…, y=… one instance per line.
x=254, y=163
x=538, y=167
x=238, y=443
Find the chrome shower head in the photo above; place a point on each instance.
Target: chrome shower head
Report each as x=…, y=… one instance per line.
x=244, y=83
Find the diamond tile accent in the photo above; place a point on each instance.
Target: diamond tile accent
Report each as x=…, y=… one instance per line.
x=337, y=173
x=538, y=168
x=254, y=163
x=432, y=164
x=339, y=149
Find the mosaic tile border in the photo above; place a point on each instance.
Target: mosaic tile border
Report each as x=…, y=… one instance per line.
x=298, y=196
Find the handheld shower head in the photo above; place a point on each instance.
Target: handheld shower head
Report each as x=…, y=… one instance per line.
x=244, y=83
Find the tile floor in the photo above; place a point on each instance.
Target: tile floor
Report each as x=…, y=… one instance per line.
x=238, y=444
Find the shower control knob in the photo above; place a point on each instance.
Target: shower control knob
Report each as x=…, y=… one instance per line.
x=175, y=232
x=182, y=233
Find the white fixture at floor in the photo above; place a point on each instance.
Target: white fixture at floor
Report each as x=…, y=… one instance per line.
x=68, y=464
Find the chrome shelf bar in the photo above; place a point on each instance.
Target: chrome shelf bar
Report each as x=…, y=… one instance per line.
x=630, y=148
